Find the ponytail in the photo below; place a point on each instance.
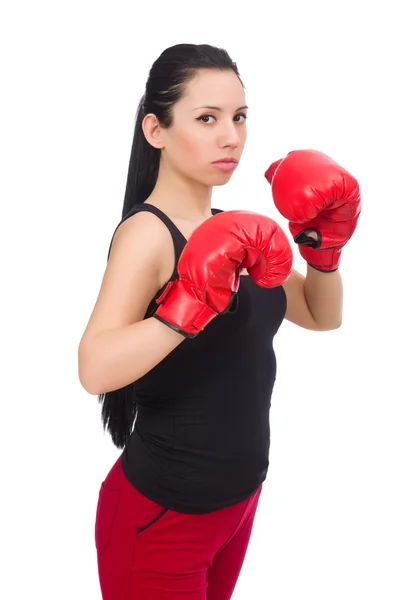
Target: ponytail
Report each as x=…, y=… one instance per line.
x=143, y=168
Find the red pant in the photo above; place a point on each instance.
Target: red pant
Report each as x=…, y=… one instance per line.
x=147, y=552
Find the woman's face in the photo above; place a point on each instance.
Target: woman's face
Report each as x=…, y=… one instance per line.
x=209, y=124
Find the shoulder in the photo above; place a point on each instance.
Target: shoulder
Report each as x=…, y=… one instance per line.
x=145, y=235
x=143, y=228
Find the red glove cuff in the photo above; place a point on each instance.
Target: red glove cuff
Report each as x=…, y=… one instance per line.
x=183, y=309
x=326, y=260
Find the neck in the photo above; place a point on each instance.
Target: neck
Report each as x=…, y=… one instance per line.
x=181, y=197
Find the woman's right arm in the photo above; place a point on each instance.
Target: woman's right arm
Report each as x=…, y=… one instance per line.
x=118, y=346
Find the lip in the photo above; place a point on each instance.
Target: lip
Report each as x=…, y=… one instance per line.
x=225, y=164
x=225, y=160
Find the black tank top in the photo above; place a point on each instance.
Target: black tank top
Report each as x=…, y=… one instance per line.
x=201, y=437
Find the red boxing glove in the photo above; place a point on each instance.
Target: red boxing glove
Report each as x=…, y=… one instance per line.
x=316, y=195
x=210, y=264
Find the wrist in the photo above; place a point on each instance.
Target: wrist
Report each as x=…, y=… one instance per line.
x=183, y=309
x=326, y=260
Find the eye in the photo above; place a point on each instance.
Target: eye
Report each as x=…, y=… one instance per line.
x=245, y=117
x=205, y=117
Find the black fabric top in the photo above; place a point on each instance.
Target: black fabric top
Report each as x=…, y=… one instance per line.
x=201, y=438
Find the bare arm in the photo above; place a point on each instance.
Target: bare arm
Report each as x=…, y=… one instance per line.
x=324, y=296
x=314, y=302
x=115, y=358
x=118, y=346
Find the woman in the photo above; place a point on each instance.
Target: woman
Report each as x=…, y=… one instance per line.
x=183, y=362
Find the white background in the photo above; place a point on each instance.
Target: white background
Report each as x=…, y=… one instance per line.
x=317, y=75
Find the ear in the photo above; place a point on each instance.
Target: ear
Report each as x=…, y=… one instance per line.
x=152, y=131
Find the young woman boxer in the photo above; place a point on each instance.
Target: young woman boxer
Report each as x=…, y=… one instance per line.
x=179, y=346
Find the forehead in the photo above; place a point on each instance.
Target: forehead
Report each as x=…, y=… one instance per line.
x=213, y=87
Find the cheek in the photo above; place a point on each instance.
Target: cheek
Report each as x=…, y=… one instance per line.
x=191, y=144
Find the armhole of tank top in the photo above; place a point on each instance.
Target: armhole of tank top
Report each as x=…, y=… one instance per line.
x=178, y=238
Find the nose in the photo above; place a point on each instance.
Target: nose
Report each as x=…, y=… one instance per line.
x=229, y=136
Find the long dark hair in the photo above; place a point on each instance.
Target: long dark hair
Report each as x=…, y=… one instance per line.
x=165, y=85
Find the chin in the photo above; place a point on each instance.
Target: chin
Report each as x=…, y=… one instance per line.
x=218, y=179
x=226, y=177
x=212, y=179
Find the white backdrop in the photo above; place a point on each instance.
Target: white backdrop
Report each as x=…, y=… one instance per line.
x=318, y=75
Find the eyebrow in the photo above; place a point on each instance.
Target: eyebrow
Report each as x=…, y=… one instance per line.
x=217, y=108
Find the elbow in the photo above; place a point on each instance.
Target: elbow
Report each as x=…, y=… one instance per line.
x=88, y=375
x=94, y=379
x=330, y=326
x=337, y=324
x=88, y=382
x=91, y=378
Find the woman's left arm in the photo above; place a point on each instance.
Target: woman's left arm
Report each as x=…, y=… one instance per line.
x=314, y=302
x=322, y=203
